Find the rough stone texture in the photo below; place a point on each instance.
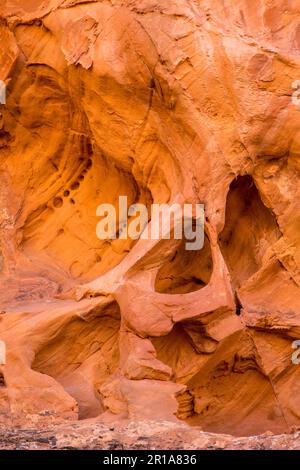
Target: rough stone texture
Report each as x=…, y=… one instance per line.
x=141, y=435
x=176, y=101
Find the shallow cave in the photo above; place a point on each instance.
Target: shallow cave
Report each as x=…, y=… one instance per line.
x=250, y=229
x=186, y=271
x=82, y=365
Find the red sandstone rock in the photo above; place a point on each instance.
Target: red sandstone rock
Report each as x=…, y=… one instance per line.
x=178, y=101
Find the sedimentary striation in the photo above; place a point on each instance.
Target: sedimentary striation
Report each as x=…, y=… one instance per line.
x=176, y=101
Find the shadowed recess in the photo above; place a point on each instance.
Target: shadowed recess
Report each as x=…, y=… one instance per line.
x=187, y=271
x=250, y=228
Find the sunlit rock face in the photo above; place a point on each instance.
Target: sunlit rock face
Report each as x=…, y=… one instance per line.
x=164, y=102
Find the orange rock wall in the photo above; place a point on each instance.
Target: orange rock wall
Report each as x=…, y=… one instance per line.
x=163, y=101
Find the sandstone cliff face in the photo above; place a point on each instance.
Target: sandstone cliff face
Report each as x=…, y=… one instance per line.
x=162, y=101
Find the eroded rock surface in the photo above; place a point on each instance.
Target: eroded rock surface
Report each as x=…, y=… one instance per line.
x=178, y=101
x=141, y=435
